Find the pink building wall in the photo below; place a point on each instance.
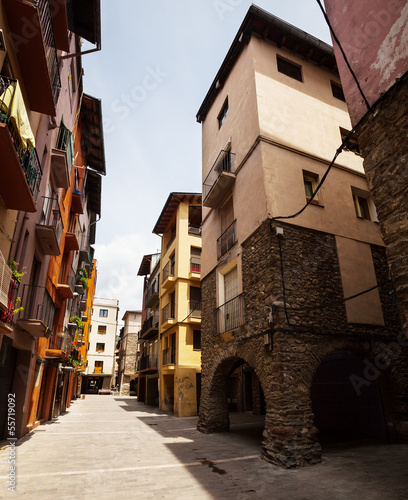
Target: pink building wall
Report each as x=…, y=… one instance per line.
x=374, y=36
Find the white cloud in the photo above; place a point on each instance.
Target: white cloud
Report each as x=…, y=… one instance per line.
x=118, y=264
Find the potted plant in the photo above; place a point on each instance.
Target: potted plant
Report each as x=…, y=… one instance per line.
x=78, y=321
x=84, y=278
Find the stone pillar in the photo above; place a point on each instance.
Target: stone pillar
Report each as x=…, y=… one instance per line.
x=383, y=143
x=214, y=414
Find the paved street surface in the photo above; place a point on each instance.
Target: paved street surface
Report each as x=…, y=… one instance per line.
x=109, y=447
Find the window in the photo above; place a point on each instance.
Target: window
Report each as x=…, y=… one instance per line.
x=98, y=367
x=102, y=329
x=172, y=264
x=197, y=340
x=173, y=305
x=352, y=143
x=289, y=68
x=362, y=207
x=100, y=347
x=103, y=313
x=195, y=260
x=223, y=113
x=337, y=91
x=310, y=182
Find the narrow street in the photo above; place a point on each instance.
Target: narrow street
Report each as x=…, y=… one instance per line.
x=114, y=447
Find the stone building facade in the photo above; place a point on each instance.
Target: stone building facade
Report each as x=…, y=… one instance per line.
x=299, y=314
x=129, y=350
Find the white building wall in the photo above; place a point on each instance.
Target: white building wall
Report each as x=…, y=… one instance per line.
x=110, y=322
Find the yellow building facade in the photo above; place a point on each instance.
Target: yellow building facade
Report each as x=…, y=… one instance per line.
x=180, y=304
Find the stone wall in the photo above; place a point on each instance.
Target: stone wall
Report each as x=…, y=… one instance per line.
x=313, y=326
x=383, y=143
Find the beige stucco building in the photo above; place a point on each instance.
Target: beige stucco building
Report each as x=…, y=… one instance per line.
x=277, y=278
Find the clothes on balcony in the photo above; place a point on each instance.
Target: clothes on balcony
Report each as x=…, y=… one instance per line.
x=15, y=107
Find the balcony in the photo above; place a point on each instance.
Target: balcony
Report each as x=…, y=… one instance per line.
x=49, y=229
x=37, y=316
x=152, y=296
x=61, y=158
x=231, y=315
x=227, y=240
x=149, y=362
x=168, y=275
x=20, y=169
x=84, y=252
x=195, y=312
x=98, y=369
x=78, y=201
x=73, y=236
x=150, y=327
x=195, y=268
x=167, y=318
x=32, y=34
x=219, y=180
x=66, y=281
x=169, y=356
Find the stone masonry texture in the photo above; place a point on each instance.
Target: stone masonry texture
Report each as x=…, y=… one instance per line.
x=317, y=328
x=383, y=142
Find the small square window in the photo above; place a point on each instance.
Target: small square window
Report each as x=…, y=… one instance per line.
x=223, y=113
x=103, y=313
x=101, y=329
x=197, y=340
x=352, y=143
x=289, y=68
x=337, y=91
x=100, y=347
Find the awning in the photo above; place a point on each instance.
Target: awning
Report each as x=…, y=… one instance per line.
x=92, y=141
x=84, y=19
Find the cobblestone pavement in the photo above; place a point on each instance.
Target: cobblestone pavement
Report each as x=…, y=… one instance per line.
x=108, y=447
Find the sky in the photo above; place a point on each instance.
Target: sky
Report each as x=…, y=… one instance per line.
x=157, y=62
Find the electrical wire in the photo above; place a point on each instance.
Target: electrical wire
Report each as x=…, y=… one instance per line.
x=344, y=55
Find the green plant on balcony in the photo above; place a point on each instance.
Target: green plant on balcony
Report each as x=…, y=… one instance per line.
x=17, y=276
x=84, y=278
x=78, y=321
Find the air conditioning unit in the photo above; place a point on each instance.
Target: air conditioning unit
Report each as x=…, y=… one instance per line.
x=3, y=51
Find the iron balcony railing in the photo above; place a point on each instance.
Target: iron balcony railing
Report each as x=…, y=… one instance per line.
x=47, y=29
x=195, y=264
x=84, y=249
x=168, y=270
x=195, y=308
x=173, y=237
x=227, y=240
x=65, y=143
x=51, y=216
x=223, y=163
x=154, y=288
x=75, y=228
x=27, y=154
x=37, y=304
x=169, y=356
x=231, y=315
x=167, y=313
x=148, y=362
x=152, y=322
x=194, y=231
x=67, y=275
